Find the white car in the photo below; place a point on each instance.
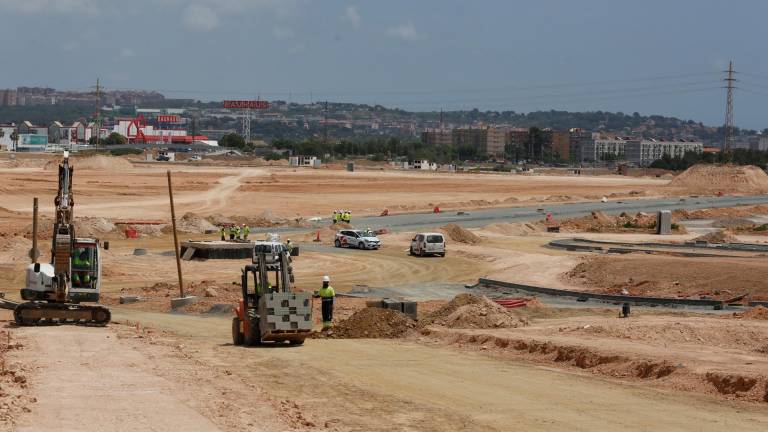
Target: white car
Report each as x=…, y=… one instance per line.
x=424, y=244
x=356, y=239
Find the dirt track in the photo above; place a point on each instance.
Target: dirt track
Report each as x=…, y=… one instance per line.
x=369, y=385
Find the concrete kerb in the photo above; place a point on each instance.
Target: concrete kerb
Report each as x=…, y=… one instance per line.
x=183, y=301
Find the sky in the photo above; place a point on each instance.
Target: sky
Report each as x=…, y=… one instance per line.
x=651, y=56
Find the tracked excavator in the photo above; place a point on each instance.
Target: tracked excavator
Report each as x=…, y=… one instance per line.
x=54, y=292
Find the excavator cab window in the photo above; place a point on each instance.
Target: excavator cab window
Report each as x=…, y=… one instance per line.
x=84, y=266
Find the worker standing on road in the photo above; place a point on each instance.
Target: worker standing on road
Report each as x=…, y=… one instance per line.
x=231, y=233
x=335, y=216
x=289, y=246
x=246, y=231
x=237, y=232
x=221, y=231
x=347, y=216
x=326, y=294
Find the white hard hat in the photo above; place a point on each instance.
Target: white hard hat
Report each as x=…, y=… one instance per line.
x=326, y=279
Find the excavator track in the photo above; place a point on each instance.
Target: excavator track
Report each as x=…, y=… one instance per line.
x=41, y=313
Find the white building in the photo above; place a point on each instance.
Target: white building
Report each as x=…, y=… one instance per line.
x=594, y=150
x=645, y=152
x=304, y=161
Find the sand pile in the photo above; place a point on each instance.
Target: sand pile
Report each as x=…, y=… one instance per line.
x=717, y=237
x=757, y=312
x=372, y=322
x=193, y=223
x=722, y=178
x=734, y=223
x=470, y=311
x=514, y=229
x=93, y=227
x=600, y=222
x=713, y=213
x=98, y=163
x=461, y=235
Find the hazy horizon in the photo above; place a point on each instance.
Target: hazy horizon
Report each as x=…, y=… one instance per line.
x=651, y=57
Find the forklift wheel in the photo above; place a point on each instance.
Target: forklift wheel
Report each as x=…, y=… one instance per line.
x=237, y=335
x=253, y=335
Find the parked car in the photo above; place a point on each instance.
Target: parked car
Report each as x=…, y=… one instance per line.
x=356, y=239
x=424, y=244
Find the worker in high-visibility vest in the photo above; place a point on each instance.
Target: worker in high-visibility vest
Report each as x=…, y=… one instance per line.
x=326, y=294
x=246, y=231
x=231, y=233
x=81, y=265
x=347, y=216
x=335, y=216
x=221, y=231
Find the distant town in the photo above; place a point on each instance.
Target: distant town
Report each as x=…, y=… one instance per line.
x=46, y=119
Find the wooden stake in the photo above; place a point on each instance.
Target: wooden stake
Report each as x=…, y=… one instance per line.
x=175, y=237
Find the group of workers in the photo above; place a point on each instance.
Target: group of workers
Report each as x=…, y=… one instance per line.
x=234, y=232
x=342, y=216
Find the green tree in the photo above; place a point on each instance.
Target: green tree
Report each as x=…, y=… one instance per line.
x=232, y=140
x=115, y=139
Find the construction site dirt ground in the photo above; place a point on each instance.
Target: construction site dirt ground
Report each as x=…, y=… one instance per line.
x=569, y=369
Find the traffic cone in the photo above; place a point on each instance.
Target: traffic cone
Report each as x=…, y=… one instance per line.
x=317, y=239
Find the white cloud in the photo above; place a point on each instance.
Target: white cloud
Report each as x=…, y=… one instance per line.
x=405, y=32
x=352, y=15
x=200, y=18
x=47, y=6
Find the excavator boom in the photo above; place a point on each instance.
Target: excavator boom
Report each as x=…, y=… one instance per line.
x=50, y=287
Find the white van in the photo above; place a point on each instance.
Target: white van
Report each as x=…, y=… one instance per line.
x=424, y=244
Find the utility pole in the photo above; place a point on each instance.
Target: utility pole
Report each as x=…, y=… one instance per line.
x=325, y=123
x=98, y=111
x=729, y=80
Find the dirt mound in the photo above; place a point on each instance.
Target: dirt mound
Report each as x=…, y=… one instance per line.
x=265, y=219
x=722, y=178
x=470, y=311
x=734, y=223
x=93, y=226
x=601, y=222
x=193, y=223
x=15, y=249
x=461, y=235
x=717, y=237
x=372, y=322
x=514, y=229
x=98, y=163
x=757, y=312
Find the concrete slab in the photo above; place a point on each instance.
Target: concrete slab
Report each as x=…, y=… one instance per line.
x=183, y=301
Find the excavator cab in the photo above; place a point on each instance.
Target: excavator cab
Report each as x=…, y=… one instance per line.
x=86, y=271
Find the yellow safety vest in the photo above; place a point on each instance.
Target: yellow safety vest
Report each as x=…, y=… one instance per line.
x=327, y=292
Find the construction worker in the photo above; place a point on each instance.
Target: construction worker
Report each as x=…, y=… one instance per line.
x=347, y=216
x=259, y=291
x=326, y=294
x=81, y=266
x=221, y=231
x=289, y=246
x=231, y=233
x=246, y=231
x=335, y=216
